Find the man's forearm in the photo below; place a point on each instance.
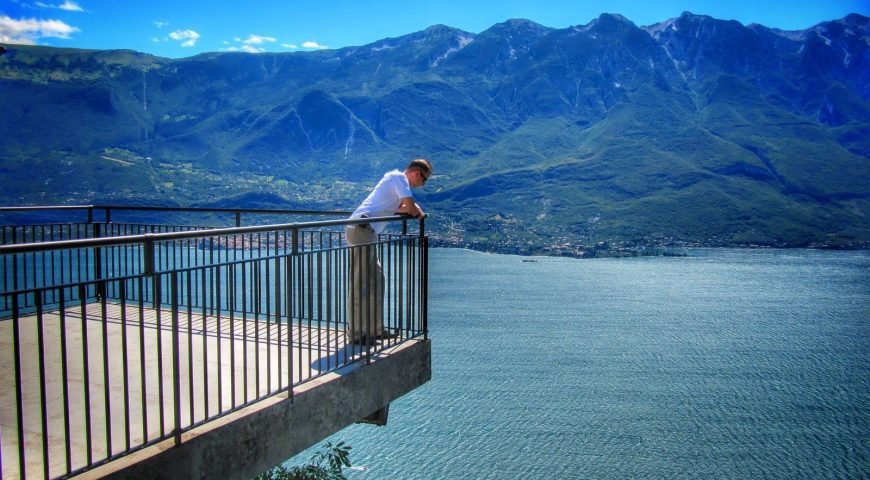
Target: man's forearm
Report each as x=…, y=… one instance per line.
x=410, y=207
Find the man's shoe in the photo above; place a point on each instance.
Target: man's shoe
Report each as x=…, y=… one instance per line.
x=388, y=335
x=364, y=340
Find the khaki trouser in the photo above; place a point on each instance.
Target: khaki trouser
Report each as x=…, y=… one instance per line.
x=365, y=286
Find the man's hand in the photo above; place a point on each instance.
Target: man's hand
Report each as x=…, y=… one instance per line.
x=420, y=212
x=410, y=207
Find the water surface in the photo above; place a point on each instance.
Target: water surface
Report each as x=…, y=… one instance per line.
x=722, y=364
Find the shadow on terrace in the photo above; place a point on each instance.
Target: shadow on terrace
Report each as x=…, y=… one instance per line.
x=131, y=347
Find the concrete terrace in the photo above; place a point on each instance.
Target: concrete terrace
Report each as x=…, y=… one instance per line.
x=121, y=358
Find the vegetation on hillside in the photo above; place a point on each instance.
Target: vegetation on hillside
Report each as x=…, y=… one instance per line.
x=695, y=131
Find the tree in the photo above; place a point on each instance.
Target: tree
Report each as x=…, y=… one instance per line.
x=327, y=464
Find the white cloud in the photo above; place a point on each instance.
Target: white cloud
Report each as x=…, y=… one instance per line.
x=250, y=49
x=244, y=48
x=313, y=44
x=255, y=44
x=160, y=24
x=250, y=44
x=70, y=7
x=67, y=5
x=189, y=36
x=256, y=40
x=30, y=31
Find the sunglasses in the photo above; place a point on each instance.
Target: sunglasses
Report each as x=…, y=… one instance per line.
x=424, y=175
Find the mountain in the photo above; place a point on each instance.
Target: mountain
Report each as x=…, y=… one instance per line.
x=691, y=131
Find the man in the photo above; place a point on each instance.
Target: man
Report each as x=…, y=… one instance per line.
x=392, y=195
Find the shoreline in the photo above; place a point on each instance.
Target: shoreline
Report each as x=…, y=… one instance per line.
x=606, y=251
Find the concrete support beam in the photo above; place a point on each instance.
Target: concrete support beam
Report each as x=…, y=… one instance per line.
x=249, y=442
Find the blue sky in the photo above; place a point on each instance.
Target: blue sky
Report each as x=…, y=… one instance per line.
x=182, y=28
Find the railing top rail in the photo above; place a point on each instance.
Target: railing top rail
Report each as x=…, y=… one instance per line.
x=41, y=207
x=173, y=209
x=169, y=236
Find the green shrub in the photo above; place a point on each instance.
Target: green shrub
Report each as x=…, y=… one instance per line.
x=327, y=464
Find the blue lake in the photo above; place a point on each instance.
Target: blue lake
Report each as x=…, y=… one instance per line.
x=722, y=364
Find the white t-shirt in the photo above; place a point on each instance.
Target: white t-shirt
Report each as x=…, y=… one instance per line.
x=385, y=198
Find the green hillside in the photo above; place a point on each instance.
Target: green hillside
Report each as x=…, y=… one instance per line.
x=694, y=131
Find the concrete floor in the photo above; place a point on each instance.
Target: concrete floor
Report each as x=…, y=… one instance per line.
x=219, y=367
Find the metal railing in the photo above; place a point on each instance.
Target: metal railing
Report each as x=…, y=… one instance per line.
x=112, y=339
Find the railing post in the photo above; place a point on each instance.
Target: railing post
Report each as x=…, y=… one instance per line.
x=294, y=248
x=176, y=363
x=292, y=280
x=238, y=218
x=424, y=283
x=91, y=214
x=19, y=389
x=148, y=255
x=14, y=259
x=424, y=279
x=98, y=263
